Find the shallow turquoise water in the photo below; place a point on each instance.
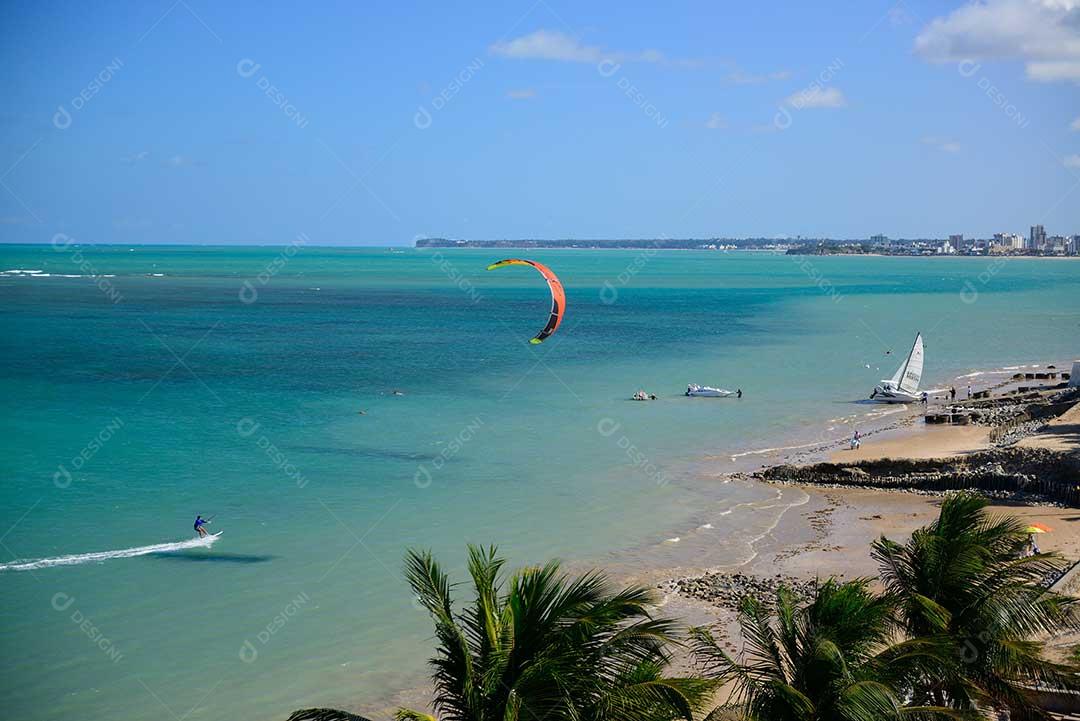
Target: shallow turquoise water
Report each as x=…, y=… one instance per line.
x=182, y=398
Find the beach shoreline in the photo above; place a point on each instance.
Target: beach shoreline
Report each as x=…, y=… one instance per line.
x=817, y=531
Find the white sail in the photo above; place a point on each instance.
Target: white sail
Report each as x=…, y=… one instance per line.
x=895, y=380
x=911, y=371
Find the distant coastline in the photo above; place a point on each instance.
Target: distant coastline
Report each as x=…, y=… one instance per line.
x=876, y=246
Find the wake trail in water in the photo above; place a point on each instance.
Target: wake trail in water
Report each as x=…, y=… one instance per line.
x=79, y=558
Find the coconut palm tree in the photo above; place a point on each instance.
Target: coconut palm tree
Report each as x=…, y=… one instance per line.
x=545, y=647
x=830, y=659
x=965, y=581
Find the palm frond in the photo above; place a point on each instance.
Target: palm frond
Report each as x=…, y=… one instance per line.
x=324, y=714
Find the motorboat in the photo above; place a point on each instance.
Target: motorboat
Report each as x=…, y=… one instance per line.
x=707, y=391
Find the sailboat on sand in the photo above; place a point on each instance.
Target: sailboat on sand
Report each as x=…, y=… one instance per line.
x=903, y=387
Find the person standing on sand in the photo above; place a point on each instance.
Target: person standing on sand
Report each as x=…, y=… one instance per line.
x=952, y=393
x=969, y=390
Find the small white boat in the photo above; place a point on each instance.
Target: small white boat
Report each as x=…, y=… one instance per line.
x=707, y=391
x=903, y=387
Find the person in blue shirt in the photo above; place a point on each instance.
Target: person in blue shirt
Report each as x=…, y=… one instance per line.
x=199, y=523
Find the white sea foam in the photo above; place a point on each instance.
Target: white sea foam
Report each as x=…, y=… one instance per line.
x=42, y=274
x=878, y=414
x=762, y=451
x=79, y=558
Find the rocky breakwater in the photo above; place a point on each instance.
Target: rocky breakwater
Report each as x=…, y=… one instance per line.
x=1030, y=475
x=1010, y=417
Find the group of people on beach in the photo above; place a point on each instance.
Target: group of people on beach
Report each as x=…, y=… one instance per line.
x=952, y=392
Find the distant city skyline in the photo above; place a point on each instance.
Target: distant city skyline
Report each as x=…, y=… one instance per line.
x=194, y=123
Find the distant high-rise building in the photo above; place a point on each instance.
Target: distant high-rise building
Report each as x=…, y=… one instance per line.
x=1037, y=239
x=1074, y=245
x=1009, y=241
x=879, y=239
x=956, y=240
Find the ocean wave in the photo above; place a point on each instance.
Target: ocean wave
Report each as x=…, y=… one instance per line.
x=891, y=411
x=762, y=451
x=33, y=273
x=79, y=558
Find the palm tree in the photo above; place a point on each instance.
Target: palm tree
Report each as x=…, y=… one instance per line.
x=545, y=648
x=830, y=659
x=964, y=580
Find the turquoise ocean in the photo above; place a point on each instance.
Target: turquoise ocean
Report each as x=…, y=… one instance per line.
x=142, y=385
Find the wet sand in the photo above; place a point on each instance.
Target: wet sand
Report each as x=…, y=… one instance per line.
x=918, y=441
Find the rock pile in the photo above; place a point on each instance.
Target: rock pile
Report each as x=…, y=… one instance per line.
x=727, y=590
x=1014, y=432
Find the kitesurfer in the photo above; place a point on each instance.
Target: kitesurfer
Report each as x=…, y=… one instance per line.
x=199, y=523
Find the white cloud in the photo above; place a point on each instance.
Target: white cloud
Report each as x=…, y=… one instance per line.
x=524, y=94
x=716, y=122
x=554, y=45
x=1075, y=125
x=1050, y=72
x=1071, y=161
x=1043, y=34
x=136, y=158
x=817, y=97
x=547, y=45
x=944, y=144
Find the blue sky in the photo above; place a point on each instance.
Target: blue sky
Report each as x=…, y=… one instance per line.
x=375, y=124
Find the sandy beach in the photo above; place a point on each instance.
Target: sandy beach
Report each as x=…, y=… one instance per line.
x=848, y=519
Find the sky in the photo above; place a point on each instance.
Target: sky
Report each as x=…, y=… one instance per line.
x=187, y=121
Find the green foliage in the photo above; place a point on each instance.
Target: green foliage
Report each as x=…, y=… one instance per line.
x=324, y=714
x=964, y=583
x=548, y=647
x=831, y=658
